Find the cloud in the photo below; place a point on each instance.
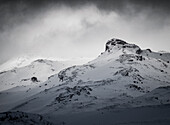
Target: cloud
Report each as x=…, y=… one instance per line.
x=65, y=29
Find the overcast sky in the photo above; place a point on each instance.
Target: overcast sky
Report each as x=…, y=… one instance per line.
x=72, y=28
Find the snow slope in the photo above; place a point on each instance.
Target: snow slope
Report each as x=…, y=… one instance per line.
x=16, y=63
x=21, y=76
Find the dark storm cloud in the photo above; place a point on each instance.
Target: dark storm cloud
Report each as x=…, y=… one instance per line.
x=13, y=12
x=30, y=7
x=137, y=5
x=26, y=24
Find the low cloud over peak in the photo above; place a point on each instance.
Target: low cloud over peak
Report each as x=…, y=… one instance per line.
x=64, y=28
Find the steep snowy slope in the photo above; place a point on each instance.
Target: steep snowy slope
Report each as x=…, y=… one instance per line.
x=120, y=77
x=36, y=72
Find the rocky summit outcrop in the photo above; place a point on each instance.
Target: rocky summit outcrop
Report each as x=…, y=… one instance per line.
x=117, y=44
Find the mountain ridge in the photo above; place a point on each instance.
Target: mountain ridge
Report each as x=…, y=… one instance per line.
x=123, y=76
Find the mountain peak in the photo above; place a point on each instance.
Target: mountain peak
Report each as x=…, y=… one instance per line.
x=118, y=44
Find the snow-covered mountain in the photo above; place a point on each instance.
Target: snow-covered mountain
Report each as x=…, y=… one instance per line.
x=123, y=76
x=34, y=73
x=17, y=62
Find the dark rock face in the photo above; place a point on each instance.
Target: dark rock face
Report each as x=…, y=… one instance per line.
x=139, y=51
x=71, y=92
x=40, y=61
x=34, y=79
x=120, y=44
x=114, y=42
x=107, y=48
x=64, y=75
x=3, y=72
x=133, y=86
x=149, y=50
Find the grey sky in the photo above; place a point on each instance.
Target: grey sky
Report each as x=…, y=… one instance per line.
x=66, y=29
